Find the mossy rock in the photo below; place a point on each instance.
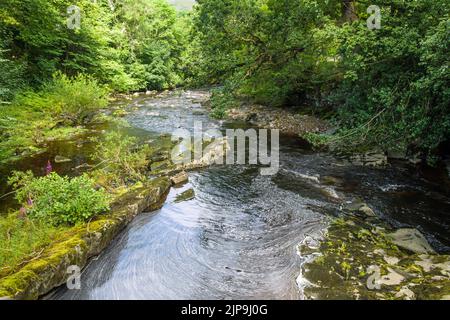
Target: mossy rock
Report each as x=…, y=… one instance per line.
x=341, y=267
x=77, y=245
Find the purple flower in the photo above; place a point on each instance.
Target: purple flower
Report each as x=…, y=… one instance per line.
x=22, y=213
x=49, y=168
x=30, y=201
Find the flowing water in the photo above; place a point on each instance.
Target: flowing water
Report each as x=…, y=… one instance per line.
x=237, y=238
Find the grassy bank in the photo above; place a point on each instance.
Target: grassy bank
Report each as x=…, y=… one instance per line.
x=52, y=204
x=55, y=112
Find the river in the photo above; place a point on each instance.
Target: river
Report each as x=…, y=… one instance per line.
x=237, y=238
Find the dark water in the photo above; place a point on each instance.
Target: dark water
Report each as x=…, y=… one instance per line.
x=237, y=238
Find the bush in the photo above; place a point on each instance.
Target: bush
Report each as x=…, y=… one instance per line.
x=222, y=100
x=122, y=161
x=11, y=76
x=52, y=112
x=394, y=93
x=72, y=99
x=58, y=200
x=78, y=97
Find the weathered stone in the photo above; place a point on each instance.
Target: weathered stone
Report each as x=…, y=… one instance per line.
x=353, y=259
x=329, y=180
x=367, y=211
x=391, y=260
x=288, y=121
x=406, y=294
x=180, y=178
x=75, y=247
x=397, y=155
x=61, y=159
x=359, y=206
x=411, y=240
x=415, y=160
x=185, y=196
x=370, y=159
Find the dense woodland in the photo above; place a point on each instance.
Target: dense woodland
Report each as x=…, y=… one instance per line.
x=386, y=87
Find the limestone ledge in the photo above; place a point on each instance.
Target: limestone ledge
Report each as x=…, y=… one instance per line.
x=79, y=244
x=356, y=260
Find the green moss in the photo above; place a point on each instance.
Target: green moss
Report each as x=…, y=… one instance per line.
x=16, y=284
x=347, y=245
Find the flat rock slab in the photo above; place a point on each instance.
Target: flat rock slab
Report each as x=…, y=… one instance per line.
x=180, y=178
x=411, y=240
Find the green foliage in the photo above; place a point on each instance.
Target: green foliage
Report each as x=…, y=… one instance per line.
x=271, y=50
x=21, y=240
x=33, y=117
x=394, y=92
x=221, y=101
x=317, y=140
x=388, y=87
x=122, y=161
x=11, y=77
x=57, y=200
x=77, y=98
x=134, y=47
x=153, y=42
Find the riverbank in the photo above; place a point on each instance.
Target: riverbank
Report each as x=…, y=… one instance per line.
x=76, y=246
x=147, y=163
x=361, y=260
x=359, y=256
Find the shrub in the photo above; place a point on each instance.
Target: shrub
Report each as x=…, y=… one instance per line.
x=52, y=112
x=123, y=161
x=58, y=200
x=222, y=100
x=73, y=99
x=394, y=93
x=78, y=97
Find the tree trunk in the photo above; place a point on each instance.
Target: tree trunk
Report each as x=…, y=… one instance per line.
x=349, y=11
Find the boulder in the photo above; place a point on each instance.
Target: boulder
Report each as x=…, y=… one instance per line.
x=411, y=240
x=185, y=196
x=61, y=159
x=370, y=159
x=361, y=207
x=367, y=211
x=180, y=178
x=393, y=278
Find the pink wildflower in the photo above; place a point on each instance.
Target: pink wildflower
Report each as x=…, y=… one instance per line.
x=49, y=168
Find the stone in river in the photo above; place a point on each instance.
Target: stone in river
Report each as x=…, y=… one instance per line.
x=61, y=159
x=180, y=178
x=185, y=196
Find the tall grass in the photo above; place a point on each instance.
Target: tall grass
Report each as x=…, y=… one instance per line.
x=64, y=102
